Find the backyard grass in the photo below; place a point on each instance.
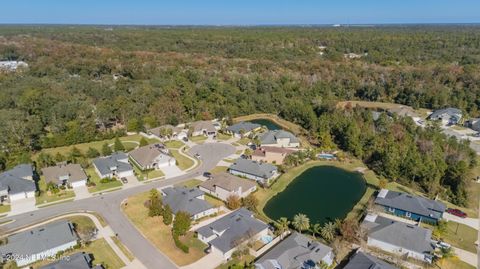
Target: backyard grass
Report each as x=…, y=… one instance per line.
x=159, y=234
x=183, y=162
x=46, y=197
x=198, y=139
x=245, y=259
x=214, y=201
x=174, y=144
x=93, y=177
x=190, y=183
x=123, y=248
x=4, y=208
x=219, y=169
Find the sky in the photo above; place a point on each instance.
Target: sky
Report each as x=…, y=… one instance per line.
x=238, y=12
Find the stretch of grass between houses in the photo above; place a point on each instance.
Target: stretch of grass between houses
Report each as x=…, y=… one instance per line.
x=183, y=162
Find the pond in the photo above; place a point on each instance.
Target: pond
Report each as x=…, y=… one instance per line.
x=323, y=193
x=268, y=123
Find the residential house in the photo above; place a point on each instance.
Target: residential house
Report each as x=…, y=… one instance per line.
x=39, y=243
x=65, y=174
x=226, y=234
x=296, y=251
x=279, y=138
x=79, y=260
x=361, y=260
x=153, y=156
x=448, y=116
x=190, y=200
x=274, y=155
x=11, y=66
x=410, y=206
x=399, y=238
x=115, y=165
x=205, y=128
x=473, y=124
x=17, y=183
x=243, y=128
x=175, y=132
x=223, y=185
x=258, y=171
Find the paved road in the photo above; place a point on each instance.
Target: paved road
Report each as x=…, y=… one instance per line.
x=108, y=205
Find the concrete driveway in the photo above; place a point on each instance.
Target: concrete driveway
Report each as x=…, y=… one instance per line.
x=22, y=206
x=210, y=261
x=474, y=223
x=81, y=192
x=171, y=171
x=132, y=182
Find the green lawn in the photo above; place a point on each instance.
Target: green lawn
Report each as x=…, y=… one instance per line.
x=93, y=177
x=219, y=169
x=234, y=261
x=214, y=201
x=174, y=144
x=46, y=197
x=123, y=248
x=221, y=136
x=4, y=209
x=155, y=174
x=244, y=141
x=240, y=151
x=198, y=139
x=460, y=235
x=183, y=162
x=454, y=263
x=190, y=183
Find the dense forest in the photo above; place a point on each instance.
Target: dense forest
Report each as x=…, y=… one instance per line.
x=91, y=83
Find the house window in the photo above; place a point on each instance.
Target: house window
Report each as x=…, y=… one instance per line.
x=390, y=209
x=408, y=214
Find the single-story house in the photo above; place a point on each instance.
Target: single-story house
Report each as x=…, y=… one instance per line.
x=153, y=156
x=361, y=260
x=174, y=132
x=296, y=251
x=115, y=165
x=279, y=138
x=448, y=115
x=17, y=183
x=243, y=128
x=223, y=185
x=410, y=206
x=65, y=174
x=399, y=238
x=274, y=155
x=190, y=200
x=258, y=171
x=473, y=124
x=39, y=243
x=224, y=235
x=79, y=260
x=203, y=128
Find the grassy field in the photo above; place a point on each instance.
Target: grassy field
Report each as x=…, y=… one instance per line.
x=123, y=248
x=221, y=136
x=93, y=177
x=384, y=106
x=98, y=145
x=190, y=184
x=183, y=162
x=199, y=139
x=45, y=197
x=174, y=144
x=159, y=234
x=218, y=169
x=454, y=263
x=4, y=209
x=459, y=235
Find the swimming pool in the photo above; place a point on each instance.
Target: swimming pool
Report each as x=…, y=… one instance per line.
x=266, y=239
x=326, y=156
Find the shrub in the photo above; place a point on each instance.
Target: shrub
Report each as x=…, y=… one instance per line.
x=179, y=243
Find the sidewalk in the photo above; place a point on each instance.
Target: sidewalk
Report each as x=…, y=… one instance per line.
x=466, y=256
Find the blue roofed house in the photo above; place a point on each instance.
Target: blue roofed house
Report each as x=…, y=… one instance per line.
x=39, y=243
x=190, y=200
x=448, y=116
x=399, y=238
x=409, y=206
x=261, y=172
x=296, y=251
x=243, y=128
x=115, y=165
x=235, y=229
x=17, y=183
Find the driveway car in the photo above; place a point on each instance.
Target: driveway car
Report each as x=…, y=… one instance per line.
x=457, y=212
x=124, y=180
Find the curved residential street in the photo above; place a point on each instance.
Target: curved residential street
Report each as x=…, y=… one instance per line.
x=108, y=205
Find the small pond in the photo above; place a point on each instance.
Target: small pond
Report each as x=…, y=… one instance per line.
x=268, y=123
x=323, y=193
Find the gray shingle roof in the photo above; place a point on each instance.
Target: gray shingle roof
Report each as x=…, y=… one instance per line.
x=78, y=260
x=150, y=154
x=71, y=172
x=399, y=234
x=185, y=199
x=259, y=169
x=237, y=227
x=118, y=160
x=39, y=239
x=228, y=182
x=270, y=137
x=203, y=125
x=453, y=112
x=365, y=261
x=411, y=203
x=293, y=253
x=14, y=180
x=244, y=125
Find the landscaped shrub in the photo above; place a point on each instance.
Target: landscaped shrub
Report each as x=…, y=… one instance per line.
x=106, y=180
x=179, y=243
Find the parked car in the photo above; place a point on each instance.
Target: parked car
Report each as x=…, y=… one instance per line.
x=197, y=156
x=443, y=245
x=207, y=174
x=457, y=212
x=124, y=180
x=185, y=139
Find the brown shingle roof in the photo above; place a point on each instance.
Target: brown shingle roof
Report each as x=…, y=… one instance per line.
x=228, y=182
x=72, y=172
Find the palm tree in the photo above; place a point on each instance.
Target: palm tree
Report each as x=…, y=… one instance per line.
x=315, y=229
x=328, y=231
x=282, y=226
x=301, y=222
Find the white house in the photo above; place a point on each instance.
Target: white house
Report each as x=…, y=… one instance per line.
x=224, y=185
x=17, y=183
x=279, y=138
x=153, y=156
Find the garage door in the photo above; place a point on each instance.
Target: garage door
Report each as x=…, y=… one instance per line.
x=126, y=174
x=79, y=183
